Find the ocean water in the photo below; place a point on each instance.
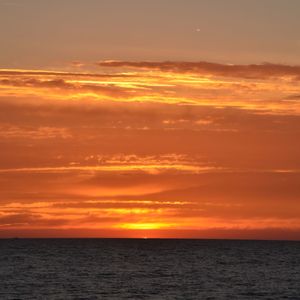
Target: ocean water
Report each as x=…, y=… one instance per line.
x=148, y=269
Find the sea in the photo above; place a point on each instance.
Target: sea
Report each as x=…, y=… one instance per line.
x=149, y=269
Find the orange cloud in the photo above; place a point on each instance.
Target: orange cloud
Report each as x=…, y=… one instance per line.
x=246, y=90
x=171, y=149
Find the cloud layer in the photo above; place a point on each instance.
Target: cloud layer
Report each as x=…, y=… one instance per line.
x=160, y=148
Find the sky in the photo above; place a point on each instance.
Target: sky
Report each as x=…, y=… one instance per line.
x=157, y=119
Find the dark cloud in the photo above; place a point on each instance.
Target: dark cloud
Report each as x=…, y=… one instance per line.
x=253, y=71
x=28, y=219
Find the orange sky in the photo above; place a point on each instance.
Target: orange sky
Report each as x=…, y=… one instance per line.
x=160, y=149
x=164, y=118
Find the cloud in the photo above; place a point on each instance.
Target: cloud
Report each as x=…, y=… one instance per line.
x=28, y=219
x=106, y=90
x=210, y=89
x=295, y=97
x=234, y=201
x=25, y=132
x=208, y=146
x=253, y=71
x=138, y=116
x=34, y=220
x=55, y=134
x=36, y=73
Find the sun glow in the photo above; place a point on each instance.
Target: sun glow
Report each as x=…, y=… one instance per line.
x=145, y=226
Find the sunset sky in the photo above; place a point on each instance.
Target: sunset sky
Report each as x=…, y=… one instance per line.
x=161, y=118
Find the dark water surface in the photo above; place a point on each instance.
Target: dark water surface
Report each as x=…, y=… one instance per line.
x=148, y=269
